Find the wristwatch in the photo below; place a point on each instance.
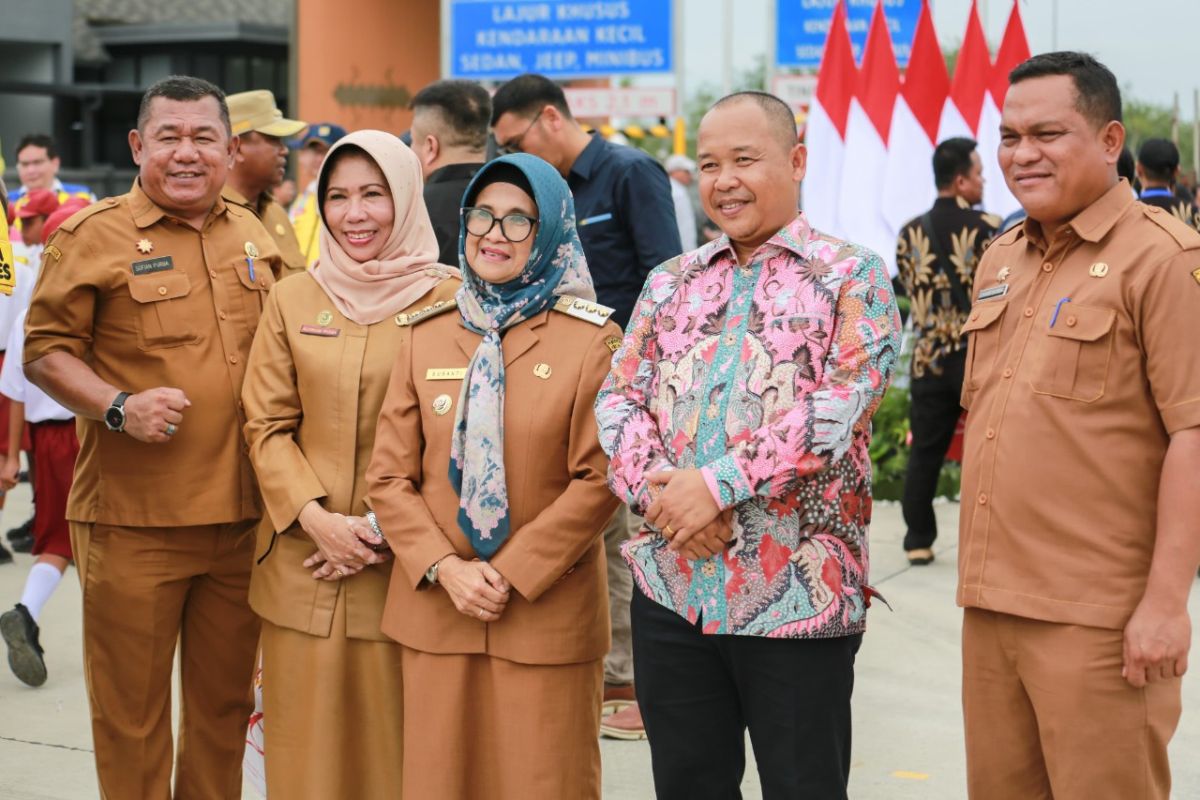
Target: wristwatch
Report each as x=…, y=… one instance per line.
x=432, y=573
x=374, y=523
x=114, y=417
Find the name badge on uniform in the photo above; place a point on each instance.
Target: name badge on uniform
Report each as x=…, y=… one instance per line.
x=446, y=374
x=319, y=330
x=161, y=264
x=993, y=292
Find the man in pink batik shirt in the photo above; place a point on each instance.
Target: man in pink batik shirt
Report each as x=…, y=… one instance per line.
x=737, y=418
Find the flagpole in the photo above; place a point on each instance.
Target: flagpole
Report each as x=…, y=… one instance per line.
x=727, y=47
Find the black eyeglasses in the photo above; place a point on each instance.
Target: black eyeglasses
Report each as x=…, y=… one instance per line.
x=514, y=227
x=514, y=145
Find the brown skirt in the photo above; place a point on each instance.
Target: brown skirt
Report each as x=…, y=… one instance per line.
x=332, y=713
x=481, y=727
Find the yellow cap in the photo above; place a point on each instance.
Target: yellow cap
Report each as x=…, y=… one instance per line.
x=256, y=111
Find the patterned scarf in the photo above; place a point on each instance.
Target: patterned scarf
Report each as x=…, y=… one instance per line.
x=556, y=266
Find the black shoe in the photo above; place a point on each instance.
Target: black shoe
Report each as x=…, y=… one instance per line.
x=22, y=531
x=24, y=653
x=5, y=556
x=23, y=476
x=23, y=544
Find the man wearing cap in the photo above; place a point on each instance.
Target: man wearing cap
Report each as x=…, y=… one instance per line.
x=681, y=170
x=1158, y=170
x=259, y=165
x=306, y=219
x=141, y=325
x=36, y=206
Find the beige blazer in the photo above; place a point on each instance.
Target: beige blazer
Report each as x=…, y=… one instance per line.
x=559, y=502
x=314, y=386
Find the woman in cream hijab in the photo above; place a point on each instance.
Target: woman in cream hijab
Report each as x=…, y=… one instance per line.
x=317, y=375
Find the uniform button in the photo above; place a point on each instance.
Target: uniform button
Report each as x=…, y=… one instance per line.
x=983, y=498
x=1047, y=267
x=991, y=433
x=1029, y=312
x=162, y=290
x=1007, y=372
x=233, y=359
x=222, y=314
x=975, y=316
x=1071, y=322
x=212, y=273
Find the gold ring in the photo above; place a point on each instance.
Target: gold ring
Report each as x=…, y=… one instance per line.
x=340, y=574
x=481, y=613
x=668, y=530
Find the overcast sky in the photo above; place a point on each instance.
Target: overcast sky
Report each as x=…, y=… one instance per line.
x=1153, y=46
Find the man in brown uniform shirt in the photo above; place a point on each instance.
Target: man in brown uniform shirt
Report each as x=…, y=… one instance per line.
x=141, y=324
x=258, y=167
x=1078, y=542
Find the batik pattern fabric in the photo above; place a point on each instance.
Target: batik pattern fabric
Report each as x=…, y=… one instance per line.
x=937, y=314
x=556, y=267
x=764, y=376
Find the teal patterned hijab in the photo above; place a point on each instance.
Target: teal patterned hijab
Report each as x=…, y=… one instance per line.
x=556, y=266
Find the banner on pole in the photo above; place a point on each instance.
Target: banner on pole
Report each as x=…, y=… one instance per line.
x=801, y=27
x=492, y=40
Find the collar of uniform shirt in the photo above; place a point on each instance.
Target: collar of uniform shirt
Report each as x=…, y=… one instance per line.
x=1092, y=223
x=146, y=212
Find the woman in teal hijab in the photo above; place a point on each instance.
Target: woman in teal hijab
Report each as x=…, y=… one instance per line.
x=489, y=483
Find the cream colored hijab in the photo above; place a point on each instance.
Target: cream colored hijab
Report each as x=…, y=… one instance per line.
x=406, y=268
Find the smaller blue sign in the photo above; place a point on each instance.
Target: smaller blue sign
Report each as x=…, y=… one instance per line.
x=492, y=40
x=803, y=25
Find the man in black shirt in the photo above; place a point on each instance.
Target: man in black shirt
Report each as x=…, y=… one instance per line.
x=1157, y=171
x=936, y=256
x=449, y=136
x=626, y=221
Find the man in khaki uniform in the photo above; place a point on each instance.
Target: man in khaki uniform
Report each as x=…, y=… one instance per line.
x=141, y=324
x=1078, y=542
x=258, y=167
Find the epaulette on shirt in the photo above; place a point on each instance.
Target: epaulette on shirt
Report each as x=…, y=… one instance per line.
x=1183, y=234
x=404, y=319
x=585, y=310
x=76, y=219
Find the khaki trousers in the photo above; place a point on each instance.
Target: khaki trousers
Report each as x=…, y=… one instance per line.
x=146, y=590
x=618, y=664
x=1048, y=714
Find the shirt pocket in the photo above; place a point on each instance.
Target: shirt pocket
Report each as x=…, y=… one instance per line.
x=256, y=286
x=983, y=329
x=1072, y=358
x=163, y=316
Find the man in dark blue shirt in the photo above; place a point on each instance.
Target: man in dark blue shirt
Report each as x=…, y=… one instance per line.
x=622, y=196
x=627, y=227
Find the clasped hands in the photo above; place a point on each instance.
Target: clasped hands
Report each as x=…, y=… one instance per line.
x=344, y=544
x=475, y=587
x=684, y=511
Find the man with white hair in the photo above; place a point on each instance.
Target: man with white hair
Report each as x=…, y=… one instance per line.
x=682, y=170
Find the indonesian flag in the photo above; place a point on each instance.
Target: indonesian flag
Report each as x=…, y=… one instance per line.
x=909, y=188
x=971, y=74
x=825, y=133
x=1014, y=48
x=860, y=206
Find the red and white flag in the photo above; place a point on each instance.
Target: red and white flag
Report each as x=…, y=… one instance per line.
x=1014, y=48
x=860, y=206
x=971, y=74
x=909, y=189
x=826, y=127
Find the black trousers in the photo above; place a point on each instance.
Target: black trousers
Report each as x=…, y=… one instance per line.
x=699, y=693
x=933, y=417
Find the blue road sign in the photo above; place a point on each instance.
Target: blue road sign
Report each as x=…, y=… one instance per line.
x=802, y=25
x=560, y=39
